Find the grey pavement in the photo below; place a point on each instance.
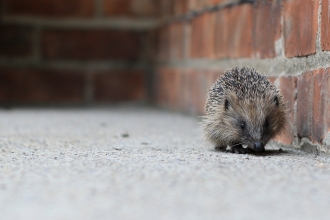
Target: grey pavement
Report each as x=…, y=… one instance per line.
x=142, y=163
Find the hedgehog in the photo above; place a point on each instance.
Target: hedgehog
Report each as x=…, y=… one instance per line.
x=244, y=111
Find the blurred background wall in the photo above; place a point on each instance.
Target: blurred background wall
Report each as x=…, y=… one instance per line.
x=75, y=52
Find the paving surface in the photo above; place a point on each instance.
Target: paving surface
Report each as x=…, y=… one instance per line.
x=140, y=163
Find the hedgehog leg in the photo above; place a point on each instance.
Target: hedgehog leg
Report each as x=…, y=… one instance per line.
x=238, y=149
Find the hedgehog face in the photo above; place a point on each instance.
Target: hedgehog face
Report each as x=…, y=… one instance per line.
x=253, y=122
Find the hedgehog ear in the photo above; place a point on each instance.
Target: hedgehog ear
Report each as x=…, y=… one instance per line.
x=275, y=99
x=227, y=104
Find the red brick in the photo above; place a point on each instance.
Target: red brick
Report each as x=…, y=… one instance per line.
x=325, y=25
x=326, y=87
x=117, y=7
x=300, y=27
x=119, y=85
x=164, y=43
x=240, y=25
x=130, y=7
x=233, y=32
x=184, y=89
x=171, y=85
x=152, y=45
x=41, y=86
x=202, y=36
x=174, y=88
x=168, y=81
x=90, y=44
x=15, y=41
x=287, y=86
x=176, y=43
x=145, y=8
x=193, y=5
x=214, y=2
x=181, y=7
x=221, y=33
x=318, y=120
x=266, y=27
x=197, y=90
x=50, y=8
x=304, y=105
x=167, y=8
x=196, y=36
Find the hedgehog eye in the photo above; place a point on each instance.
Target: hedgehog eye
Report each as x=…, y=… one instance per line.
x=227, y=104
x=266, y=123
x=242, y=125
x=275, y=99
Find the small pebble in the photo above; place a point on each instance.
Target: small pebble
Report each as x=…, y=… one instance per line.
x=144, y=143
x=117, y=148
x=125, y=135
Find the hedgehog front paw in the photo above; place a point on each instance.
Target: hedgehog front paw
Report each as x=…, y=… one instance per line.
x=238, y=149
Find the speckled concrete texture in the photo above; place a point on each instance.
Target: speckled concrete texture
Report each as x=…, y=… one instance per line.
x=141, y=163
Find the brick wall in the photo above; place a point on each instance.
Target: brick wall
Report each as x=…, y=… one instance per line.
x=288, y=40
x=75, y=52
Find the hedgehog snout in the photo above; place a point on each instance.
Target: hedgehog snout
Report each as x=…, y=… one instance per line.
x=258, y=146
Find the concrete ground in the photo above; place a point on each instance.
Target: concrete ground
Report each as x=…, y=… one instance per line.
x=142, y=163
